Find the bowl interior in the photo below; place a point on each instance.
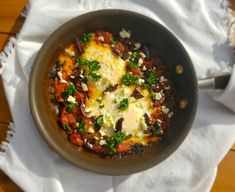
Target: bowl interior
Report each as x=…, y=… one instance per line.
x=144, y=29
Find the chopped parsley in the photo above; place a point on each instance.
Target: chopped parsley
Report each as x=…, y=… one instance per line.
x=113, y=40
x=81, y=127
x=69, y=91
x=82, y=62
x=70, y=106
x=133, y=57
x=129, y=79
x=152, y=78
x=153, y=96
x=117, y=138
x=86, y=37
x=95, y=77
x=133, y=64
x=92, y=65
x=123, y=105
x=100, y=120
x=66, y=127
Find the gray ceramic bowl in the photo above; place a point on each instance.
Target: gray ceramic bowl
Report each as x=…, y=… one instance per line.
x=147, y=30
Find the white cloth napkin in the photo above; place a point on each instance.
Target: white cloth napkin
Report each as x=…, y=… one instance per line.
x=202, y=26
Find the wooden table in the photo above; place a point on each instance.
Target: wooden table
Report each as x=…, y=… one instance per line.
x=11, y=22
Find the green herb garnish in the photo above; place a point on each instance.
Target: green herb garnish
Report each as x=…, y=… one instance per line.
x=70, y=106
x=81, y=127
x=69, y=91
x=117, y=138
x=66, y=127
x=152, y=78
x=113, y=40
x=123, y=105
x=94, y=65
x=100, y=120
x=95, y=77
x=133, y=57
x=86, y=37
x=153, y=96
x=133, y=64
x=82, y=62
x=129, y=79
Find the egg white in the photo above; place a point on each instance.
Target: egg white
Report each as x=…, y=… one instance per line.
x=111, y=71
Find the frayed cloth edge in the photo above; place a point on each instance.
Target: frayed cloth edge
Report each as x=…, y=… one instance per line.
x=5, y=144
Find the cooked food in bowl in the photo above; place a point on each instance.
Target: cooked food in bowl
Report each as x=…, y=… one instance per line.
x=126, y=75
x=112, y=94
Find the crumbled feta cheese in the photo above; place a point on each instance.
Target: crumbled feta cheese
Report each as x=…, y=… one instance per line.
x=161, y=79
x=159, y=121
x=70, y=53
x=170, y=114
x=158, y=96
x=124, y=34
x=141, y=81
x=165, y=110
x=63, y=81
x=140, y=61
x=90, y=130
x=102, y=133
x=141, y=54
x=101, y=38
x=144, y=68
x=87, y=110
x=71, y=99
x=103, y=142
x=89, y=145
x=59, y=73
x=84, y=87
x=126, y=92
x=72, y=77
x=137, y=46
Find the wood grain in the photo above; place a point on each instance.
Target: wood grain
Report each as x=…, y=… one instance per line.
x=10, y=18
x=225, y=181
x=3, y=40
x=10, y=23
x=6, y=185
